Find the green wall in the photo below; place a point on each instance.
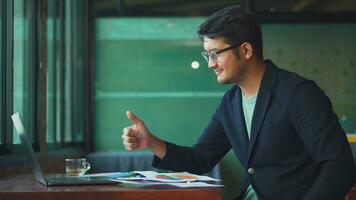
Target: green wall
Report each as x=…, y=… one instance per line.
x=144, y=65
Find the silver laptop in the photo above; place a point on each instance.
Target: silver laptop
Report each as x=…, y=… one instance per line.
x=53, y=180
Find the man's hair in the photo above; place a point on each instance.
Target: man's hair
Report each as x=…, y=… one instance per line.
x=234, y=25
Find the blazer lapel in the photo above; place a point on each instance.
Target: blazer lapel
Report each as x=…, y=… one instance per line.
x=258, y=117
x=262, y=103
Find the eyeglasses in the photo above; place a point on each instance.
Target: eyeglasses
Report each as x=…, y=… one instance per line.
x=214, y=55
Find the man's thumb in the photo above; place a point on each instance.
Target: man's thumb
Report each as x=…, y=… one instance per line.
x=132, y=117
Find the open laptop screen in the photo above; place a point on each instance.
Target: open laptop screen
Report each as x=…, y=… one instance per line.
x=20, y=129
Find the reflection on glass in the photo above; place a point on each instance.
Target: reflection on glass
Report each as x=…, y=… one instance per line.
x=20, y=78
x=64, y=72
x=55, y=73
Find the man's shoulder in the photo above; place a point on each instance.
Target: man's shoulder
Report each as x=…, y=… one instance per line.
x=289, y=78
x=292, y=75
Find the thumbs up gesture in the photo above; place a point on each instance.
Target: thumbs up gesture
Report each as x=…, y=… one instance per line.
x=136, y=136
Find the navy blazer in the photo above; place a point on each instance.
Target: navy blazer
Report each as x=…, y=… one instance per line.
x=297, y=150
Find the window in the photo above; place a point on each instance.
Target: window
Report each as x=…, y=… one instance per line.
x=17, y=69
x=43, y=72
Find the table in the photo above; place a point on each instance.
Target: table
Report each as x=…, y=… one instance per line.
x=25, y=187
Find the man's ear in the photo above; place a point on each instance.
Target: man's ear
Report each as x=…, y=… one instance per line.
x=247, y=50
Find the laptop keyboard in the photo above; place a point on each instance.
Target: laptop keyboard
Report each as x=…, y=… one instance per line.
x=65, y=180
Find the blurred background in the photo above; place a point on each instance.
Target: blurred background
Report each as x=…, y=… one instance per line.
x=72, y=68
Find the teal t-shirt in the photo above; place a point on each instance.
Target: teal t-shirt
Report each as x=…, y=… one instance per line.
x=248, y=106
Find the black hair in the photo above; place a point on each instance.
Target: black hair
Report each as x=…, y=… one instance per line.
x=234, y=25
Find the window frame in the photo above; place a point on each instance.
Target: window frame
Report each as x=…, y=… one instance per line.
x=262, y=16
x=2, y=28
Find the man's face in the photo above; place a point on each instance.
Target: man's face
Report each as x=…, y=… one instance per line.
x=228, y=67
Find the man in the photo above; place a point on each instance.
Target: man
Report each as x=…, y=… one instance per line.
x=280, y=125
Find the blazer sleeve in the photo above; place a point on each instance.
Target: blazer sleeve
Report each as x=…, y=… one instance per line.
x=318, y=127
x=211, y=146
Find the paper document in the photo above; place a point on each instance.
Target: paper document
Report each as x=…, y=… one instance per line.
x=152, y=178
x=181, y=184
x=173, y=177
x=177, y=179
x=195, y=184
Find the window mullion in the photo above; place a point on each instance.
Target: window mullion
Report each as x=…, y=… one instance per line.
x=30, y=72
x=8, y=74
x=61, y=66
x=2, y=28
x=73, y=68
x=40, y=65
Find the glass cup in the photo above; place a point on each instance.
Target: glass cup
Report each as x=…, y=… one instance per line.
x=76, y=166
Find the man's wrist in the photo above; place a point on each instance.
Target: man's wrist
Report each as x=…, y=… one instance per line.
x=157, y=146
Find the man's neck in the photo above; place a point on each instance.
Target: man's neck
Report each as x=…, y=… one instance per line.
x=251, y=84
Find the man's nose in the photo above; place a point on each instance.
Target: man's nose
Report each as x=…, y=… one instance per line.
x=212, y=63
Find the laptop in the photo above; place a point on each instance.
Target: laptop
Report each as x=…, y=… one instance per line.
x=53, y=180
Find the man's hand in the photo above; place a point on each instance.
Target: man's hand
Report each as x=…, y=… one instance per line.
x=138, y=136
